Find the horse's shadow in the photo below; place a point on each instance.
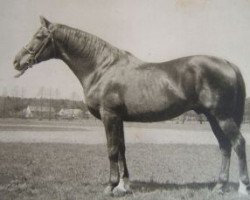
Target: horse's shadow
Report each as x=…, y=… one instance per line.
x=152, y=186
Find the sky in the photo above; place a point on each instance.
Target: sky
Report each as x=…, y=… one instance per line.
x=153, y=30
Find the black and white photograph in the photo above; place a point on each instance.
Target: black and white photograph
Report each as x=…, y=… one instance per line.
x=125, y=99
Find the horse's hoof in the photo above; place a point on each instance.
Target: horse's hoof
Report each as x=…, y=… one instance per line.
x=119, y=192
x=122, y=188
x=220, y=188
x=244, y=189
x=128, y=190
x=108, y=191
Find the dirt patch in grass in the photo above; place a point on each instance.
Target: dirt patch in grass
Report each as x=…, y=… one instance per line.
x=77, y=171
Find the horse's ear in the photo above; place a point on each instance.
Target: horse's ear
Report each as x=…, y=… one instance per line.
x=44, y=22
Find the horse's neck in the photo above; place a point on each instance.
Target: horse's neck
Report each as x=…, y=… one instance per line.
x=84, y=53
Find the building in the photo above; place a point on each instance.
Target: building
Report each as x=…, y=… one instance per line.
x=70, y=113
x=39, y=112
x=191, y=116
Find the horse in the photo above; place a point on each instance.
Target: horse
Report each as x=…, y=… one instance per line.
x=119, y=87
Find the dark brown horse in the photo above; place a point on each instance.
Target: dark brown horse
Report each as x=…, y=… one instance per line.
x=119, y=87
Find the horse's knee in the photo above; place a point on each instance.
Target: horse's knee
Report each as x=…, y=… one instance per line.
x=226, y=153
x=240, y=141
x=229, y=128
x=225, y=147
x=239, y=146
x=113, y=153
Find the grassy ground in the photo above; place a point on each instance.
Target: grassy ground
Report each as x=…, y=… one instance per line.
x=77, y=171
x=80, y=123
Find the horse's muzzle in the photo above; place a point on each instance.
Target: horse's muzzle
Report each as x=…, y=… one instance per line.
x=20, y=67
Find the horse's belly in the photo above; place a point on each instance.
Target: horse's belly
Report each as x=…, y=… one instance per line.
x=155, y=109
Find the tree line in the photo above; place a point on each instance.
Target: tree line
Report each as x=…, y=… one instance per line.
x=12, y=106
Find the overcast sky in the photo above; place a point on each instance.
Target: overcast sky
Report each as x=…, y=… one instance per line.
x=153, y=30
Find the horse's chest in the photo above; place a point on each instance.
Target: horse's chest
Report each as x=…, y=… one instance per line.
x=92, y=101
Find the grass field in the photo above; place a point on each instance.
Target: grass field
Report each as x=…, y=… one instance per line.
x=80, y=171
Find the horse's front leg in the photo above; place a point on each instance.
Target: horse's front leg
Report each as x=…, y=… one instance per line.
x=118, y=183
x=124, y=185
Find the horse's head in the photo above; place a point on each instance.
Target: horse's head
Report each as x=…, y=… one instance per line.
x=40, y=48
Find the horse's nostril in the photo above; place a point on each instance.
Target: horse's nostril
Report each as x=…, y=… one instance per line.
x=15, y=63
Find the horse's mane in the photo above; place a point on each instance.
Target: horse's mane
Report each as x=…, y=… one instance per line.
x=82, y=42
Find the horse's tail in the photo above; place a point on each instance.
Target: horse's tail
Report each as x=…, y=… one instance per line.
x=240, y=97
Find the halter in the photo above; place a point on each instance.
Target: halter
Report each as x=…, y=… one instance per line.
x=36, y=53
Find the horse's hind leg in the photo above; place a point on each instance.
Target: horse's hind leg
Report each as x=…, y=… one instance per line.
x=232, y=132
x=225, y=148
x=238, y=143
x=239, y=147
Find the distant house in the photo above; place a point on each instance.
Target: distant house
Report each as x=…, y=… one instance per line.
x=191, y=116
x=70, y=113
x=39, y=112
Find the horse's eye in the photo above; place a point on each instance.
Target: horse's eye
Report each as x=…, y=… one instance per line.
x=39, y=36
